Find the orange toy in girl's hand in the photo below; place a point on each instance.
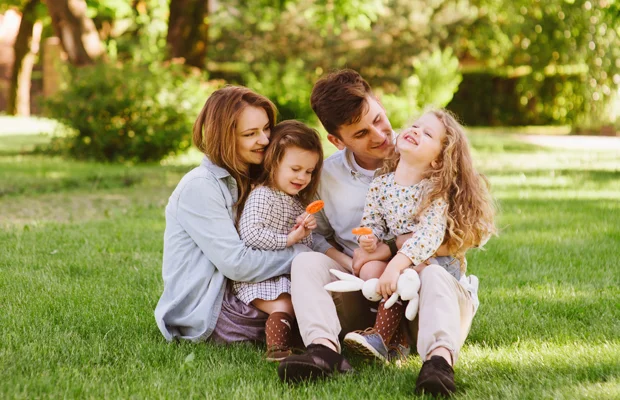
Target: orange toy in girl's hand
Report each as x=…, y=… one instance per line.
x=361, y=231
x=315, y=207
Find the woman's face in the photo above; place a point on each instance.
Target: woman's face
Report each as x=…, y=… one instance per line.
x=252, y=135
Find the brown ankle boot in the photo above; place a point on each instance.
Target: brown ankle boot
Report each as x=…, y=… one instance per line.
x=279, y=333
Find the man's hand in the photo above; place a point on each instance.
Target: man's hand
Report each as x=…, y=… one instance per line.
x=368, y=243
x=361, y=256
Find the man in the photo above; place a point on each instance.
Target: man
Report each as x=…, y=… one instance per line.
x=358, y=126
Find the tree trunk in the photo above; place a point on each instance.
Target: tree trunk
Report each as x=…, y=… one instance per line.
x=76, y=31
x=188, y=31
x=25, y=50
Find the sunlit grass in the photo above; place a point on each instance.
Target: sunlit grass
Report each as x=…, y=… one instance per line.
x=80, y=274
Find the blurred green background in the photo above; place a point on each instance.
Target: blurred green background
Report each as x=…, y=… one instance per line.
x=94, y=139
x=135, y=72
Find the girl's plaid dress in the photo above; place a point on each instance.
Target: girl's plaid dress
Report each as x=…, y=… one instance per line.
x=267, y=218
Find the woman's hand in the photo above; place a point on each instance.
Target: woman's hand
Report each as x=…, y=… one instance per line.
x=368, y=243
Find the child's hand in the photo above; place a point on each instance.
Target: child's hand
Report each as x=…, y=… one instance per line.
x=298, y=233
x=368, y=243
x=310, y=223
x=388, y=280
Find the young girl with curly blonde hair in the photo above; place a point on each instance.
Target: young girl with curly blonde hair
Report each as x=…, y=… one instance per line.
x=429, y=189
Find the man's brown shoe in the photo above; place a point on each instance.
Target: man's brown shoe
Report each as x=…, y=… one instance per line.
x=317, y=362
x=436, y=377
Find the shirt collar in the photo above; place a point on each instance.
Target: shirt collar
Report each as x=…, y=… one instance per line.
x=219, y=172
x=349, y=165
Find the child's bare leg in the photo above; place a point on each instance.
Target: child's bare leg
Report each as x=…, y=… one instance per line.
x=281, y=304
x=279, y=326
x=372, y=269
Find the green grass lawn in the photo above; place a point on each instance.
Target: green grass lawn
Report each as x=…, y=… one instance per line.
x=80, y=274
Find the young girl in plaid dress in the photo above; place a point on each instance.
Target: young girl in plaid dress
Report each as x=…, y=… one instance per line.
x=431, y=190
x=289, y=182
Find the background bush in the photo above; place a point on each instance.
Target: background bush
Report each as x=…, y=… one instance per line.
x=435, y=79
x=491, y=99
x=286, y=84
x=128, y=113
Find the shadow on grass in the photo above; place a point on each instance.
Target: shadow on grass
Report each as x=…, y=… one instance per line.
x=55, y=177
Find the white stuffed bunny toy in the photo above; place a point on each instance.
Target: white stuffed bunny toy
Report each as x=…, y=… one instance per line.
x=407, y=288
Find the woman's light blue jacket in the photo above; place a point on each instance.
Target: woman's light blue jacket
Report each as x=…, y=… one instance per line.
x=202, y=249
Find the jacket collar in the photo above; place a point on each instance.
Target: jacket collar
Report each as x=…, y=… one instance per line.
x=219, y=172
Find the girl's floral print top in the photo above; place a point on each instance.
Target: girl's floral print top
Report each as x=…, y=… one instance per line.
x=390, y=209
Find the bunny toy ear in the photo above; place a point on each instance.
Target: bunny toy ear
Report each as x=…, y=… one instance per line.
x=412, y=308
x=343, y=286
x=348, y=282
x=390, y=302
x=344, y=276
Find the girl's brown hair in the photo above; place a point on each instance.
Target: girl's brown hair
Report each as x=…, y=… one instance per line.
x=289, y=134
x=215, y=133
x=471, y=209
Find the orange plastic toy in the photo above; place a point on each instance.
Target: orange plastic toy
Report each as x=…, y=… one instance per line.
x=315, y=207
x=361, y=231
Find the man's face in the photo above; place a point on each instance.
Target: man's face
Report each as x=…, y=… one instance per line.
x=370, y=139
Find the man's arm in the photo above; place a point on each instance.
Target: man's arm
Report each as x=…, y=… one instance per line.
x=340, y=258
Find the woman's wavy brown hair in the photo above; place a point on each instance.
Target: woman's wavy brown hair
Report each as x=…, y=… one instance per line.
x=289, y=134
x=215, y=134
x=471, y=209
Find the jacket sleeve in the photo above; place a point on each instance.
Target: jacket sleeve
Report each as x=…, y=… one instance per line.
x=203, y=213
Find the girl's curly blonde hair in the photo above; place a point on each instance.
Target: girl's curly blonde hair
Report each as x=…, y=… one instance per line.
x=452, y=176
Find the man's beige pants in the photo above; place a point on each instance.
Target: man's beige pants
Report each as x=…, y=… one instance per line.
x=444, y=316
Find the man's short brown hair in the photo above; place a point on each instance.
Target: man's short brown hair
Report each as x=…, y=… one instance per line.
x=340, y=99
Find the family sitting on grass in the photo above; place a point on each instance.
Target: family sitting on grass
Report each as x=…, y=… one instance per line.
x=244, y=261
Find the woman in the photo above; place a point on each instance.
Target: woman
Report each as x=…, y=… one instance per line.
x=202, y=249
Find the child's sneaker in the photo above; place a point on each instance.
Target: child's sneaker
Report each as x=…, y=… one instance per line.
x=368, y=343
x=398, y=354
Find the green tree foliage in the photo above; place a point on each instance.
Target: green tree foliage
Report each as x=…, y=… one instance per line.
x=434, y=83
x=547, y=45
x=128, y=113
x=260, y=40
